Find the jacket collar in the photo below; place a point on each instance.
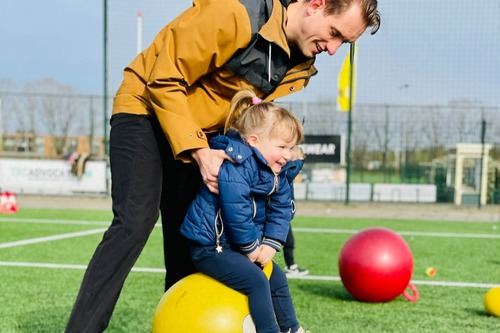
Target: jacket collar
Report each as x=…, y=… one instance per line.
x=236, y=147
x=286, y=2
x=277, y=22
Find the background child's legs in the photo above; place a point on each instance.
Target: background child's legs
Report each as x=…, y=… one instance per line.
x=282, y=300
x=289, y=248
x=238, y=272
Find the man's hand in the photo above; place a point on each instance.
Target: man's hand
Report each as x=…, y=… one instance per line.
x=209, y=162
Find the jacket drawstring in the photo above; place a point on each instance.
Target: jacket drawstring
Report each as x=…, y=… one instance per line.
x=269, y=65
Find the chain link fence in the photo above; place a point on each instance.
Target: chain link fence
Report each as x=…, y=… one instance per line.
x=390, y=144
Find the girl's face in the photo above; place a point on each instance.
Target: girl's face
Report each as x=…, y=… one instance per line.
x=276, y=151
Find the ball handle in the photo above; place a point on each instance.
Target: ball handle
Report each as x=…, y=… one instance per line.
x=414, y=296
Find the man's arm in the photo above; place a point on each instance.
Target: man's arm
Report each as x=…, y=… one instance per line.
x=195, y=44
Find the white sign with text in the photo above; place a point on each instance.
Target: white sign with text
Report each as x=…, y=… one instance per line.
x=25, y=176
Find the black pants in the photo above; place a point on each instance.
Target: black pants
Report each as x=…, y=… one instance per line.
x=288, y=248
x=145, y=178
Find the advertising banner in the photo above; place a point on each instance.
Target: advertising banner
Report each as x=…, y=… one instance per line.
x=323, y=149
x=25, y=176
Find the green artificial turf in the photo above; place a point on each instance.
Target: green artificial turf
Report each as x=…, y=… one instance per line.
x=39, y=281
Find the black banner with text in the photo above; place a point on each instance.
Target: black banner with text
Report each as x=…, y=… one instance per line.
x=323, y=149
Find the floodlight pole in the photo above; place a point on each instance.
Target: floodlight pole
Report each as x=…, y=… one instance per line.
x=483, y=137
x=349, y=125
x=105, y=77
x=1, y=125
x=105, y=92
x=139, y=32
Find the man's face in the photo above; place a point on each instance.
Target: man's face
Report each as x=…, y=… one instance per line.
x=317, y=33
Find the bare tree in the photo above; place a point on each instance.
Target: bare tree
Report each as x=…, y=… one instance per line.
x=5, y=85
x=361, y=138
x=461, y=125
x=433, y=131
x=8, y=111
x=383, y=135
x=57, y=110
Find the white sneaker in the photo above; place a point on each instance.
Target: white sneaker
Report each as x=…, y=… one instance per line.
x=295, y=271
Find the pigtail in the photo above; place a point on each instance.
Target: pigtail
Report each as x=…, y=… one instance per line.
x=266, y=119
x=240, y=103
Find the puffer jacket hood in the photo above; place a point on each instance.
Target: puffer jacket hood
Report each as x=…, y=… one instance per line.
x=291, y=170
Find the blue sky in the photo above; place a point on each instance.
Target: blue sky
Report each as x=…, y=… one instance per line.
x=426, y=52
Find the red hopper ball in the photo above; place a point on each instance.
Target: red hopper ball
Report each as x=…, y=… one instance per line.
x=376, y=265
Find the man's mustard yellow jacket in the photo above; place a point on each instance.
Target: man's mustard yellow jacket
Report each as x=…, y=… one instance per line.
x=195, y=65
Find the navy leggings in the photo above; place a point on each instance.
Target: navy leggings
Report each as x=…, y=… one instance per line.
x=269, y=300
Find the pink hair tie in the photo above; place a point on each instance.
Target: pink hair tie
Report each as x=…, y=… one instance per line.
x=256, y=100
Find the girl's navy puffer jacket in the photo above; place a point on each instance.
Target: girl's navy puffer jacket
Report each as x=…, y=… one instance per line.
x=253, y=206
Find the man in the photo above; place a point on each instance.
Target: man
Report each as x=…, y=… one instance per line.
x=174, y=96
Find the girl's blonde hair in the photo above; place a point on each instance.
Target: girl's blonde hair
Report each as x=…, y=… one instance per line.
x=249, y=115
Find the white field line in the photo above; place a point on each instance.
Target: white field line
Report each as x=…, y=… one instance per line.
x=160, y=270
x=65, y=266
x=49, y=221
x=404, y=233
x=63, y=222
x=297, y=229
x=308, y=277
x=51, y=238
x=416, y=282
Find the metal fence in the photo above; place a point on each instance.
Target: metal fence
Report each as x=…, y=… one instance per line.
x=390, y=144
x=29, y=119
x=414, y=134
x=398, y=135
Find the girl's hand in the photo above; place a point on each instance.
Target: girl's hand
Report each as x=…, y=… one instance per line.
x=253, y=255
x=266, y=255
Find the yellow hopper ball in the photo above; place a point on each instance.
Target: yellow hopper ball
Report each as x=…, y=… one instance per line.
x=268, y=270
x=492, y=301
x=201, y=304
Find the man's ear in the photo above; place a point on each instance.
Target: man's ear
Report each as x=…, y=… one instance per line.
x=315, y=5
x=253, y=139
